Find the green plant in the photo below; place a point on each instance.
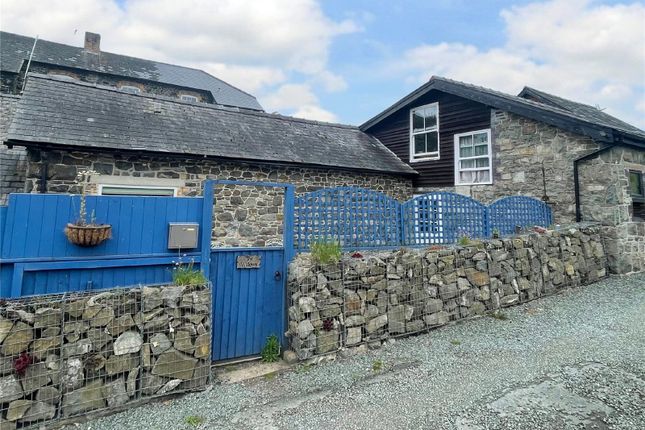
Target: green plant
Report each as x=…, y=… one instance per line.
x=499, y=316
x=464, y=240
x=186, y=274
x=377, y=365
x=270, y=376
x=271, y=350
x=496, y=234
x=194, y=420
x=325, y=252
x=455, y=342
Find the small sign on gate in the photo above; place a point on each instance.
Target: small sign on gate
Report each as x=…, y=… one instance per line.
x=248, y=262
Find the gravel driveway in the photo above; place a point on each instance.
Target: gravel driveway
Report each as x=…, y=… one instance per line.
x=575, y=360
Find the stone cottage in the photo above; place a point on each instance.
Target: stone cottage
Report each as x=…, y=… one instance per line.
x=90, y=64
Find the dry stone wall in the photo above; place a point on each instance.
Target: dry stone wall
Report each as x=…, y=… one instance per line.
x=367, y=298
x=66, y=355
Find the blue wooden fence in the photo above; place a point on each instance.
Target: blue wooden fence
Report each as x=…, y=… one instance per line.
x=363, y=219
x=36, y=257
x=354, y=216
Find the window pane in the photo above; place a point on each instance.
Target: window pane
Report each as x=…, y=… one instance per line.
x=481, y=162
x=480, y=138
x=432, y=143
x=465, y=141
x=136, y=191
x=483, y=176
x=636, y=183
x=467, y=164
x=417, y=120
x=466, y=177
x=466, y=152
x=431, y=117
x=419, y=143
x=481, y=150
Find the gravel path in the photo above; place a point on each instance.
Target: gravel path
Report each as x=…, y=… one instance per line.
x=575, y=360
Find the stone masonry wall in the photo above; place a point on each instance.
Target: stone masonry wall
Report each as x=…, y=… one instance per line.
x=365, y=299
x=13, y=162
x=604, y=185
x=66, y=355
x=244, y=216
x=625, y=245
x=521, y=147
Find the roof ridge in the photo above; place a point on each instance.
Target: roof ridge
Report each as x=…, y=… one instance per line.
x=198, y=106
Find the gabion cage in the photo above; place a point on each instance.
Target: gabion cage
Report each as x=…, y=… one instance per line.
x=365, y=299
x=66, y=355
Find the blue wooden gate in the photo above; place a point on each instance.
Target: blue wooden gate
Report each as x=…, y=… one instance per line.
x=249, y=300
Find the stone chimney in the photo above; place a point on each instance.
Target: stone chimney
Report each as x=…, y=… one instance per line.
x=92, y=42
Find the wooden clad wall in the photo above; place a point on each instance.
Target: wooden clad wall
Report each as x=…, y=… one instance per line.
x=456, y=115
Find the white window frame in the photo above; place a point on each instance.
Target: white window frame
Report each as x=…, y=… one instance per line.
x=188, y=98
x=414, y=157
x=129, y=89
x=458, y=158
x=154, y=187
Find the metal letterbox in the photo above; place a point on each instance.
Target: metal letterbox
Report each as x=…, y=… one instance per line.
x=182, y=235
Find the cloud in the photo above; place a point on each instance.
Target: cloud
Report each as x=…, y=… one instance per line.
x=255, y=45
x=297, y=100
x=573, y=48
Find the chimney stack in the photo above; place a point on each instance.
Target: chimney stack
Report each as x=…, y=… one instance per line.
x=92, y=42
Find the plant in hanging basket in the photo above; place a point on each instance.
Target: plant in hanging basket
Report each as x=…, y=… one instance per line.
x=81, y=232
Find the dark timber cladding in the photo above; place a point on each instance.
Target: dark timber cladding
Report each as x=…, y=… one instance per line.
x=456, y=115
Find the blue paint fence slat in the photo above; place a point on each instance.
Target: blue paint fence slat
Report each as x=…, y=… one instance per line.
x=358, y=218
x=32, y=230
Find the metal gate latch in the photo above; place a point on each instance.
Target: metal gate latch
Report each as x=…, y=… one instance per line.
x=277, y=275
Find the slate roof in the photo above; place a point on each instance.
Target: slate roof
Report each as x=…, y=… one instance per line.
x=14, y=49
x=595, y=126
x=582, y=110
x=70, y=113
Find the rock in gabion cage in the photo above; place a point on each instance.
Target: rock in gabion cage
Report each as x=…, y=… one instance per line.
x=69, y=354
x=369, y=297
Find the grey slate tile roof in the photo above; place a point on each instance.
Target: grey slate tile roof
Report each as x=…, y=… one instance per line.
x=594, y=126
x=14, y=49
x=581, y=110
x=78, y=114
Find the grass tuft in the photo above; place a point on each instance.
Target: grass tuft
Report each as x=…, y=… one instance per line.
x=326, y=252
x=194, y=420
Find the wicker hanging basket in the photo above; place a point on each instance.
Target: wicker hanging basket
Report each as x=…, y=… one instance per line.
x=88, y=235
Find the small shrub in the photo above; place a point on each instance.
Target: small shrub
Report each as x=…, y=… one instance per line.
x=186, y=274
x=325, y=252
x=194, y=420
x=499, y=316
x=463, y=240
x=271, y=350
x=377, y=365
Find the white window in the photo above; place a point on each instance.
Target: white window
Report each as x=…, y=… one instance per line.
x=188, y=98
x=133, y=190
x=473, y=158
x=130, y=89
x=424, y=133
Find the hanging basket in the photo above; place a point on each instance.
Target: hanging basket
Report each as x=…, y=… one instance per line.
x=88, y=235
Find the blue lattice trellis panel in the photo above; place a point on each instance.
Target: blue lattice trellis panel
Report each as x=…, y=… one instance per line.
x=442, y=217
x=509, y=213
x=356, y=217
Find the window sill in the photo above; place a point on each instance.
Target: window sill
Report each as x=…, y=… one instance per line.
x=471, y=184
x=420, y=160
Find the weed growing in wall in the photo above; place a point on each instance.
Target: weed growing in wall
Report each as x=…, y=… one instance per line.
x=325, y=252
x=271, y=350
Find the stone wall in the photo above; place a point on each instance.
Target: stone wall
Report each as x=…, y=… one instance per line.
x=625, y=245
x=521, y=147
x=13, y=162
x=604, y=185
x=66, y=355
x=365, y=299
x=244, y=216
